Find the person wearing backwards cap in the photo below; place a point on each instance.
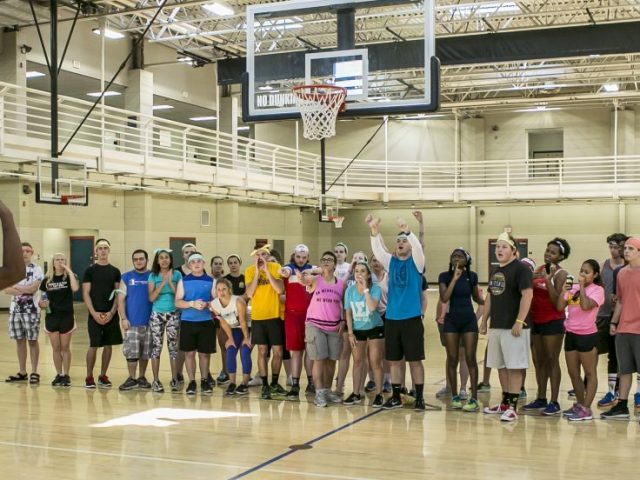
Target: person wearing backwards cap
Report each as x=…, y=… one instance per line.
x=510, y=292
x=264, y=287
x=99, y=283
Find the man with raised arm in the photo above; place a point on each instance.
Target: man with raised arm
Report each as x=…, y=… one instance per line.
x=13, y=269
x=404, y=331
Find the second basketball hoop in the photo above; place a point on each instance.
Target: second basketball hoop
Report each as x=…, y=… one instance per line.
x=319, y=107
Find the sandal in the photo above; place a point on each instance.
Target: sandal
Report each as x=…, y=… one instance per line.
x=34, y=378
x=18, y=377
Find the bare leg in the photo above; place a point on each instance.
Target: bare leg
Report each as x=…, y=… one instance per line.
x=589, y=361
x=553, y=347
x=143, y=363
x=470, y=350
x=106, y=359
x=92, y=353
x=263, y=356
x=464, y=370
x=358, y=354
x=190, y=364
x=204, y=359
x=540, y=363
x=222, y=340
x=21, y=347
x=65, y=352
x=375, y=350
x=452, y=342
x=54, y=337
x=34, y=353
x=343, y=365
x=276, y=359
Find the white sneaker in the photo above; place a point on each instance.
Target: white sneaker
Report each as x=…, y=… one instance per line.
x=509, y=416
x=334, y=397
x=463, y=394
x=290, y=381
x=443, y=393
x=320, y=400
x=255, y=381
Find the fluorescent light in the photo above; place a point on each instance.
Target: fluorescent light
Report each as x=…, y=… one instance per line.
x=244, y=129
x=108, y=33
x=218, y=8
x=108, y=93
x=611, y=87
x=203, y=119
x=34, y=74
x=265, y=88
x=541, y=108
x=162, y=107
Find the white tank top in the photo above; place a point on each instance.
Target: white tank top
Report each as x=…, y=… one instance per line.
x=228, y=313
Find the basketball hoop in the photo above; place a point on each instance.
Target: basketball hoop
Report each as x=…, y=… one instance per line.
x=74, y=201
x=337, y=221
x=319, y=106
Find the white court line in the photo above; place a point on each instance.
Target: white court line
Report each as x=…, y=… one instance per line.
x=175, y=460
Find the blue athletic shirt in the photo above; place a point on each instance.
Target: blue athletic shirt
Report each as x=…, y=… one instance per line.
x=363, y=319
x=197, y=288
x=404, y=299
x=136, y=303
x=460, y=301
x=166, y=301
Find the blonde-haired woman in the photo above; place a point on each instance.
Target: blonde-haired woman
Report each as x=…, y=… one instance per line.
x=58, y=288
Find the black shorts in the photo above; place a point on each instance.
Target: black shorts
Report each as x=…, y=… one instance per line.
x=604, y=340
x=104, y=335
x=404, y=339
x=554, y=327
x=581, y=343
x=375, y=333
x=267, y=332
x=198, y=336
x=59, y=324
x=442, y=341
x=460, y=323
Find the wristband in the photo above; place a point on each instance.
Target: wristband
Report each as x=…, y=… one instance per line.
x=614, y=324
x=521, y=322
x=366, y=290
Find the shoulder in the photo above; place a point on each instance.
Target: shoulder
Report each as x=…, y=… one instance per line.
x=444, y=277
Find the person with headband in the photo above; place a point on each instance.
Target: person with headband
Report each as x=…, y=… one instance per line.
x=507, y=305
x=342, y=267
x=217, y=272
x=235, y=275
x=404, y=331
x=197, y=330
x=134, y=309
x=187, y=250
x=625, y=326
x=12, y=269
x=99, y=282
x=264, y=287
x=547, y=330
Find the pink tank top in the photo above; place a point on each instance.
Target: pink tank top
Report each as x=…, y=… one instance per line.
x=325, y=309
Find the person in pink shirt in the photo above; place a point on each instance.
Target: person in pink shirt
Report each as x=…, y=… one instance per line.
x=580, y=345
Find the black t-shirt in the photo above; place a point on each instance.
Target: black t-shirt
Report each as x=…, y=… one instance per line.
x=237, y=284
x=102, y=279
x=59, y=294
x=505, y=287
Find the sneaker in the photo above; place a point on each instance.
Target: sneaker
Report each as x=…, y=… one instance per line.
x=143, y=383
x=255, y=381
x=289, y=381
x=293, y=394
x=509, y=416
x=129, y=384
x=609, y=400
x=231, y=390
x=581, y=414
x=523, y=393
x=537, y=404
x=456, y=402
x=242, y=389
x=352, y=399
x=636, y=400
x=192, y=388
x=463, y=394
x=333, y=397
x=419, y=405
x=175, y=385
x=471, y=406
x=378, y=401
x=278, y=390
x=320, y=400
x=66, y=381
x=157, y=387
x=553, y=408
x=444, y=392
x=387, y=387
x=484, y=387
x=310, y=390
x=370, y=386
x=569, y=412
x=206, y=388
x=223, y=378
x=391, y=403
x=210, y=380
x=498, y=409
x=180, y=378
x=266, y=393
x=57, y=382
x=571, y=394
x=89, y=382
x=618, y=412
x=104, y=382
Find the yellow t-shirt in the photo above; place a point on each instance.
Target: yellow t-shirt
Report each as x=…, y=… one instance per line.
x=265, y=303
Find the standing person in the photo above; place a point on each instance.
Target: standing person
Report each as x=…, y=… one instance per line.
x=509, y=299
x=383, y=282
x=264, y=287
x=13, y=268
x=187, y=250
x=217, y=267
x=458, y=286
x=99, y=283
x=297, y=301
x=162, y=286
x=231, y=310
x=342, y=266
x=217, y=272
x=235, y=276
x=57, y=289
x=365, y=332
x=404, y=331
x=197, y=330
x=607, y=342
x=134, y=309
x=581, y=338
x=548, y=325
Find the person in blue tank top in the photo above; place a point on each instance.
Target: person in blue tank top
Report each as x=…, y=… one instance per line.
x=404, y=332
x=134, y=309
x=197, y=330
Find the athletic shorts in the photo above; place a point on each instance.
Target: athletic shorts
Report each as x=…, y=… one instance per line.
x=442, y=340
x=61, y=324
x=160, y=323
x=404, y=339
x=628, y=353
x=198, y=336
x=460, y=323
x=322, y=345
x=267, y=332
x=294, y=329
x=581, y=343
x=24, y=326
x=554, y=327
x=137, y=343
x=506, y=351
x=375, y=333
x=604, y=340
x=104, y=335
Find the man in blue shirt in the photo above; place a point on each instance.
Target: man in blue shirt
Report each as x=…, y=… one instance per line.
x=134, y=309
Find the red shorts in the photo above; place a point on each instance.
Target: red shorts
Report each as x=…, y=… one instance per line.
x=294, y=330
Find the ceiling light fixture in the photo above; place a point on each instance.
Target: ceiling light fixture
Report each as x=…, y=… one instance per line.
x=206, y=118
x=108, y=33
x=611, y=87
x=106, y=94
x=219, y=8
x=34, y=74
x=162, y=107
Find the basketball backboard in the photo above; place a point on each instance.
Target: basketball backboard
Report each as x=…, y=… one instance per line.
x=382, y=52
x=61, y=182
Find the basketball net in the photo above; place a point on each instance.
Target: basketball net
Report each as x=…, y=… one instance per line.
x=337, y=221
x=319, y=107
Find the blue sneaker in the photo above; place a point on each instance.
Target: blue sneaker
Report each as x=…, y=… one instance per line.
x=608, y=400
x=386, y=387
x=553, y=408
x=537, y=404
x=370, y=386
x=636, y=400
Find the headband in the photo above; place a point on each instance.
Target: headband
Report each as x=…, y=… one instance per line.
x=633, y=241
x=529, y=262
x=188, y=245
x=195, y=256
x=340, y=244
x=504, y=237
x=466, y=254
x=103, y=243
x=234, y=255
x=402, y=235
x=160, y=250
x=559, y=244
x=264, y=249
x=301, y=248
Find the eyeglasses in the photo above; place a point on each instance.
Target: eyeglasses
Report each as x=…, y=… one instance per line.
x=139, y=259
x=327, y=260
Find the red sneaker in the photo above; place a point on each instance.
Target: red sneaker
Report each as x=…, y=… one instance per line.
x=496, y=409
x=89, y=382
x=104, y=382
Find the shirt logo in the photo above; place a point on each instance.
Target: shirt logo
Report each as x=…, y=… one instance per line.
x=497, y=284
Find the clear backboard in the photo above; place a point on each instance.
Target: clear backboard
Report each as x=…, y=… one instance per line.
x=61, y=182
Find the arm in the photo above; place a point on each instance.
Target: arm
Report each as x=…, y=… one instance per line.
x=586, y=303
x=86, y=297
x=372, y=303
x=418, y=216
x=556, y=290
x=486, y=313
x=12, y=269
x=447, y=290
x=11, y=291
x=525, y=304
x=241, y=307
x=417, y=252
x=352, y=337
x=122, y=310
x=29, y=289
x=475, y=294
x=179, y=302
x=613, y=327
x=377, y=244
x=73, y=281
x=154, y=293
x=252, y=285
x=276, y=283
x=227, y=330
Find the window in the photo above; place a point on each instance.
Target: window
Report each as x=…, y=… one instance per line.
x=545, y=151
